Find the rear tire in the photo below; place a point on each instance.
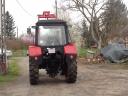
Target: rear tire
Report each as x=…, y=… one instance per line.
x=71, y=72
x=33, y=72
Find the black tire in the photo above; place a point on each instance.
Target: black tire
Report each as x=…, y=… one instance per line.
x=33, y=72
x=71, y=75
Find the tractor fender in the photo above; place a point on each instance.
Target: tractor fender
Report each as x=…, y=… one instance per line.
x=70, y=49
x=34, y=51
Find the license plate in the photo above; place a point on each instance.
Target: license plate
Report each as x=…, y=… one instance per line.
x=51, y=50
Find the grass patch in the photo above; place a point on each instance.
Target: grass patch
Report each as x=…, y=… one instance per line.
x=82, y=52
x=13, y=71
x=19, y=53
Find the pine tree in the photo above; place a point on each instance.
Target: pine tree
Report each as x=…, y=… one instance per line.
x=9, y=25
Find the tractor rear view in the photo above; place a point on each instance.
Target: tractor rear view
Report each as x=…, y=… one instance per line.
x=52, y=50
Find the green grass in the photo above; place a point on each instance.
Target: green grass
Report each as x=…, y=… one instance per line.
x=82, y=52
x=13, y=71
x=19, y=53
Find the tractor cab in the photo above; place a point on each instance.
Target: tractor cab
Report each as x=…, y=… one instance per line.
x=51, y=32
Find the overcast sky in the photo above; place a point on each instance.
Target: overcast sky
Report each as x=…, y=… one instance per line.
x=33, y=7
x=24, y=19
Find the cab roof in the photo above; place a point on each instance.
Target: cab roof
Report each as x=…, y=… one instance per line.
x=49, y=22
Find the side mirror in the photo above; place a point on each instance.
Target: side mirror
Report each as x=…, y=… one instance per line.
x=29, y=31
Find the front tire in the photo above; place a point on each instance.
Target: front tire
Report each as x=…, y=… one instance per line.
x=33, y=71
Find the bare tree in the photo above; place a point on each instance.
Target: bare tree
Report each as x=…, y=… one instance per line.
x=74, y=28
x=115, y=19
x=91, y=11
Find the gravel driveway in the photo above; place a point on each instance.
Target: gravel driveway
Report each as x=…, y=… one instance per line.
x=93, y=80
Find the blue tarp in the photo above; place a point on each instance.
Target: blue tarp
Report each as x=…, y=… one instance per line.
x=115, y=52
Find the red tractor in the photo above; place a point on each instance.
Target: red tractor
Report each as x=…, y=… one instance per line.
x=52, y=50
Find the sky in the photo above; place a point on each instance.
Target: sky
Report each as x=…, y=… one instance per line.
x=25, y=19
x=28, y=17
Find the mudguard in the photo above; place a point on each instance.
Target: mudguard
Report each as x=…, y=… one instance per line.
x=34, y=51
x=70, y=49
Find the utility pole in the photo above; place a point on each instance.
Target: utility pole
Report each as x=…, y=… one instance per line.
x=3, y=67
x=17, y=32
x=56, y=4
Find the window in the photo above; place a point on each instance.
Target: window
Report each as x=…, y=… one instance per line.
x=51, y=36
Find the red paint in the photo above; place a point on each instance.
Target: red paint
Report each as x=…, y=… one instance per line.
x=70, y=49
x=34, y=51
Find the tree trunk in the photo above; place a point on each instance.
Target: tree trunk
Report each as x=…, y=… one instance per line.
x=99, y=43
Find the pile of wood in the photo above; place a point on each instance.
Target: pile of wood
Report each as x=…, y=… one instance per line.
x=95, y=60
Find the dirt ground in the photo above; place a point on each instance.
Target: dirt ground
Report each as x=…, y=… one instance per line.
x=93, y=80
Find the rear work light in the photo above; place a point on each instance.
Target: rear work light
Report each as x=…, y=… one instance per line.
x=47, y=15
